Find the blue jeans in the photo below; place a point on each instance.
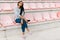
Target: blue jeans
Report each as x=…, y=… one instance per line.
x=23, y=26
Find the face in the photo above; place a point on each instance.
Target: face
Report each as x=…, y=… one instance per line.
x=20, y=4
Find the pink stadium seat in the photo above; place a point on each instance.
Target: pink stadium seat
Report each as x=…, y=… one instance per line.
x=32, y=5
x=26, y=6
x=57, y=4
x=0, y=22
x=46, y=5
x=6, y=20
x=0, y=8
x=6, y=7
x=58, y=14
x=38, y=17
x=30, y=17
x=1, y=25
x=13, y=19
x=39, y=5
x=54, y=15
x=52, y=5
x=46, y=16
x=13, y=5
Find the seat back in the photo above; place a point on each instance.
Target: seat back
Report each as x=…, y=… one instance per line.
x=30, y=17
x=32, y=5
x=46, y=16
x=6, y=6
x=6, y=20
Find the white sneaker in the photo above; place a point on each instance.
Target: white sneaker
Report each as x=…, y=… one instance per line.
x=24, y=37
x=30, y=33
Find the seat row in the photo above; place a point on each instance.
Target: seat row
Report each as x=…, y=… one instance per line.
x=28, y=6
x=8, y=20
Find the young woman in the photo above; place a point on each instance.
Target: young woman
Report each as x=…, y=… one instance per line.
x=19, y=17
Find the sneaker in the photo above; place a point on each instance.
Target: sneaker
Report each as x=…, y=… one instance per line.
x=24, y=37
x=30, y=33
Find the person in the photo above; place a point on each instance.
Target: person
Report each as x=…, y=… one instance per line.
x=19, y=17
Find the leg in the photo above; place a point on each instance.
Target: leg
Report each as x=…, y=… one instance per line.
x=17, y=21
x=23, y=29
x=30, y=33
x=28, y=29
x=26, y=26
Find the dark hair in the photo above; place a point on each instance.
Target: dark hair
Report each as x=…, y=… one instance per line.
x=18, y=3
x=22, y=7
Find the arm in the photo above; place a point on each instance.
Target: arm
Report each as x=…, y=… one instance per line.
x=22, y=17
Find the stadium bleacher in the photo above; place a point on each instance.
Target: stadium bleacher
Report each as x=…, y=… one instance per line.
x=58, y=5
x=38, y=17
x=28, y=6
x=30, y=17
x=39, y=5
x=33, y=7
x=46, y=16
x=13, y=5
x=54, y=15
x=46, y=5
x=52, y=5
x=58, y=14
x=10, y=6
x=6, y=7
x=7, y=20
x=0, y=25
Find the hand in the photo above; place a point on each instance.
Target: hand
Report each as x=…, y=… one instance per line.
x=28, y=20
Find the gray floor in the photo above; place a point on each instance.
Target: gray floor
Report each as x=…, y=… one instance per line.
x=49, y=31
